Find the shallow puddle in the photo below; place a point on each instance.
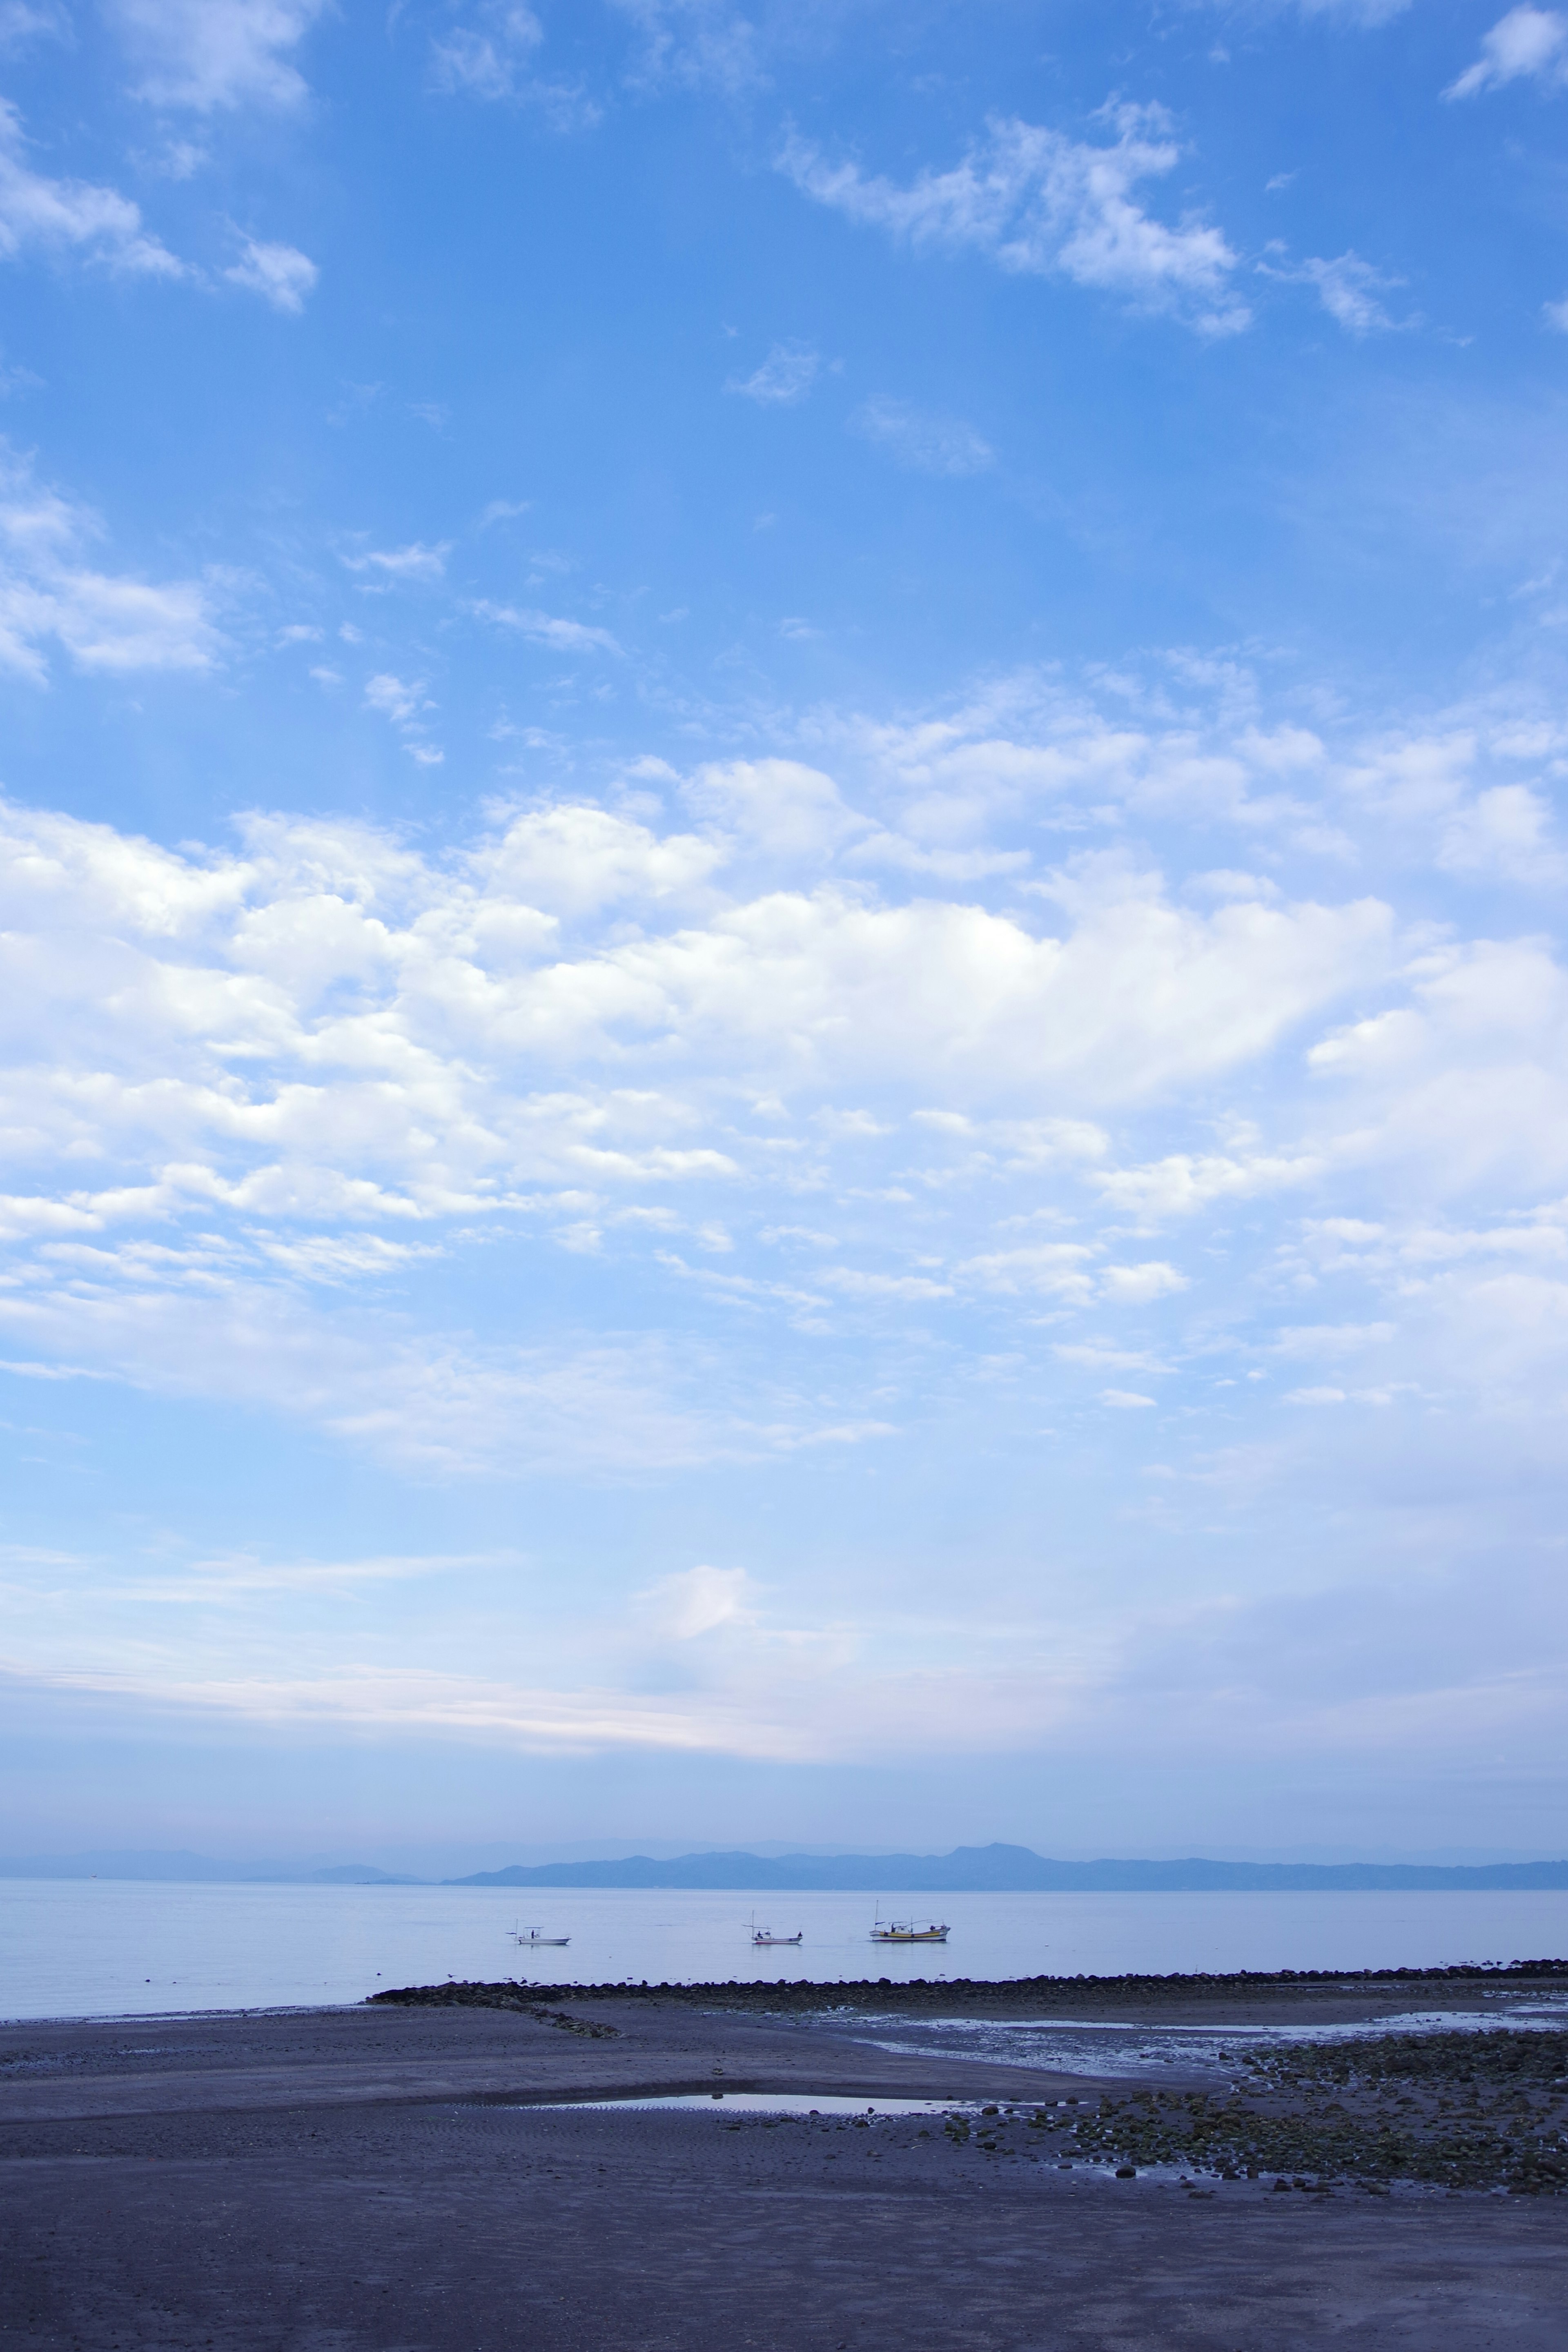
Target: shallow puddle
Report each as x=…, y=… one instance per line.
x=763, y=2103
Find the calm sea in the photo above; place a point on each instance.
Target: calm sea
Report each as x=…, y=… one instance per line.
x=102, y=1948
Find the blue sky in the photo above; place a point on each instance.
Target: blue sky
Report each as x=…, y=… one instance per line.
x=784, y=1011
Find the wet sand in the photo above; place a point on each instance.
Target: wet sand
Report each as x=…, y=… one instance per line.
x=391, y=2177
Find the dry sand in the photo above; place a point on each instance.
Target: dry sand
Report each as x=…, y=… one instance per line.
x=387, y=2178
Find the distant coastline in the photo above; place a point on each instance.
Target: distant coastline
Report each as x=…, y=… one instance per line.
x=1015, y=1870
x=968, y=1870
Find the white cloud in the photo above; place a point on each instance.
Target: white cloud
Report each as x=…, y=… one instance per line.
x=698, y=1600
x=785, y=377
x=858, y=1283
x=694, y=45
x=1349, y=289
x=1333, y=1340
x=486, y=60
x=1506, y=832
x=108, y=622
x=20, y=23
x=575, y=861
x=780, y=807
x=1527, y=43
x=1185, y=1183
x=1045, y=1269
x=1369, y=13
x=490, y=56
x=313, y=1057
x=71, y=216
x=923, y=443
x=545, y=629
x=1039, y=203
x=418, y=563
x=1139, y=1285
x=405, y=703
x=504, y=510
x=1125, y=1400
x=280, y=274
x=209, y=54
x=399, y=700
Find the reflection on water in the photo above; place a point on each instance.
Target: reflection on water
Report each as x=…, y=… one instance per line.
x=107, y=1948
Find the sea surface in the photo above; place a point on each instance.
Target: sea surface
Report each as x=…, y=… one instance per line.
x=107, y=1948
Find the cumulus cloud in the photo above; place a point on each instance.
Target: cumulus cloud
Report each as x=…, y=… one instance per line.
x=208, y=55
x=1039, y=203
x=780, y=807
x=923, y=443
x=280, y=274
x=1528, y=42
x=71, y=217
x=785, y=377
x=1509, y=833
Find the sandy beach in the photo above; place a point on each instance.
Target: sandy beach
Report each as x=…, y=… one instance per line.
x=396, y=2176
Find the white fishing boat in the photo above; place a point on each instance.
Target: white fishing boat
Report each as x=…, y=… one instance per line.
x=531, y=1940
x=904, y=1931
x=766, y=1936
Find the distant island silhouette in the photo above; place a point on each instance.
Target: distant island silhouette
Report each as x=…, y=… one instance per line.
x=968, y=1870
x=1012, y=1870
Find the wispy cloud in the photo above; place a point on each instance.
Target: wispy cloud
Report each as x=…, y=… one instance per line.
x=71, y=217
x=490, y=55
x=785, y=377
x=280, y=274
x=105, y=621
x=415, y=565
x=924, y=443
x=486, y=57
x=405, y=703
x=1349, y=289
x=213, y=54
x=694, y=45
x=1368, y=14
x=548, y=629
x=21, y=21
x=1040, y=203
x=1527, y=44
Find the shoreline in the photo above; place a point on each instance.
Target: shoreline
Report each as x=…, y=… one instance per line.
x=431, y=2171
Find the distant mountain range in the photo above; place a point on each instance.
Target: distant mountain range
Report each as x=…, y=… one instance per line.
x=1011, y=1869
x=181, y=1869
x=968, y=1870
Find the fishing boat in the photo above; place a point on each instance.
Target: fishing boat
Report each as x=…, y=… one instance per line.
x=531, y=1940
x=904, y=1931
x=766, y=1936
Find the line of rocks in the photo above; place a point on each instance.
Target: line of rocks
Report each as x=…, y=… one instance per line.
x=949, y=1995
x=1462, y=2110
